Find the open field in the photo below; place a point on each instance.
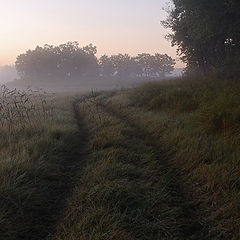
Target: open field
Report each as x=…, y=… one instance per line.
x=160, y=161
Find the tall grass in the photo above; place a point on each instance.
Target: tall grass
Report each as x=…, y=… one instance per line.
x=21, y=108
x=39, y=144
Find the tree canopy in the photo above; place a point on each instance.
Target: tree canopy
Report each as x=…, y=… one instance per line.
x=206, y=33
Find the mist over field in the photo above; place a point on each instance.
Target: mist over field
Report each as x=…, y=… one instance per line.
x=70, y=67
x=8, y=73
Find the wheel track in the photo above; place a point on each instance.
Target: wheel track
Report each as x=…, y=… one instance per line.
x=194, y=226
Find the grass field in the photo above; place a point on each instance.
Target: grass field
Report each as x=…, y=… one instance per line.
x=160, y=161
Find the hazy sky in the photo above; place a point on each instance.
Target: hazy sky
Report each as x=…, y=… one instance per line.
x=114, y=26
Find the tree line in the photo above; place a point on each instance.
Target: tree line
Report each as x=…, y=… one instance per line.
x=206, y=33
x=70, y=62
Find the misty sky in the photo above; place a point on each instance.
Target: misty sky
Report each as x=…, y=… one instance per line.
x=114, y=26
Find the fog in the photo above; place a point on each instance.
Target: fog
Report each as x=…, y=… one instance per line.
x=7, y=74
x=71, y=67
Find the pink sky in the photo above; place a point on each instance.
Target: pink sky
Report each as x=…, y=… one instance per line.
x=119, y=26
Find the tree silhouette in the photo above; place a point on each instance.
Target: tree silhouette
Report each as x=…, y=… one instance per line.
x=206, y=33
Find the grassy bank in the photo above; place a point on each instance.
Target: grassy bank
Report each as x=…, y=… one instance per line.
x=196, y=124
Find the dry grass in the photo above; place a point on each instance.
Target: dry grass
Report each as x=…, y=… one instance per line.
x=39, y=157
x=19, y=109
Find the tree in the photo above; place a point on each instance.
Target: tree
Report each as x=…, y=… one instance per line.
x=143, y=65
x=66, y=62
x=124, y=65
x=206, y=32
x=106, y=65
x=157, y=65
x=69, y=63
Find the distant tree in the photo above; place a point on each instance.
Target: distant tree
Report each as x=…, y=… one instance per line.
x=162, y=64
x=120, y=65
x=144, y=62
x=206, y=33
x=60, y=63
x=69, y=63
x=157, y=65
x=124, y=65
x=143, y=65
x=106, y=65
